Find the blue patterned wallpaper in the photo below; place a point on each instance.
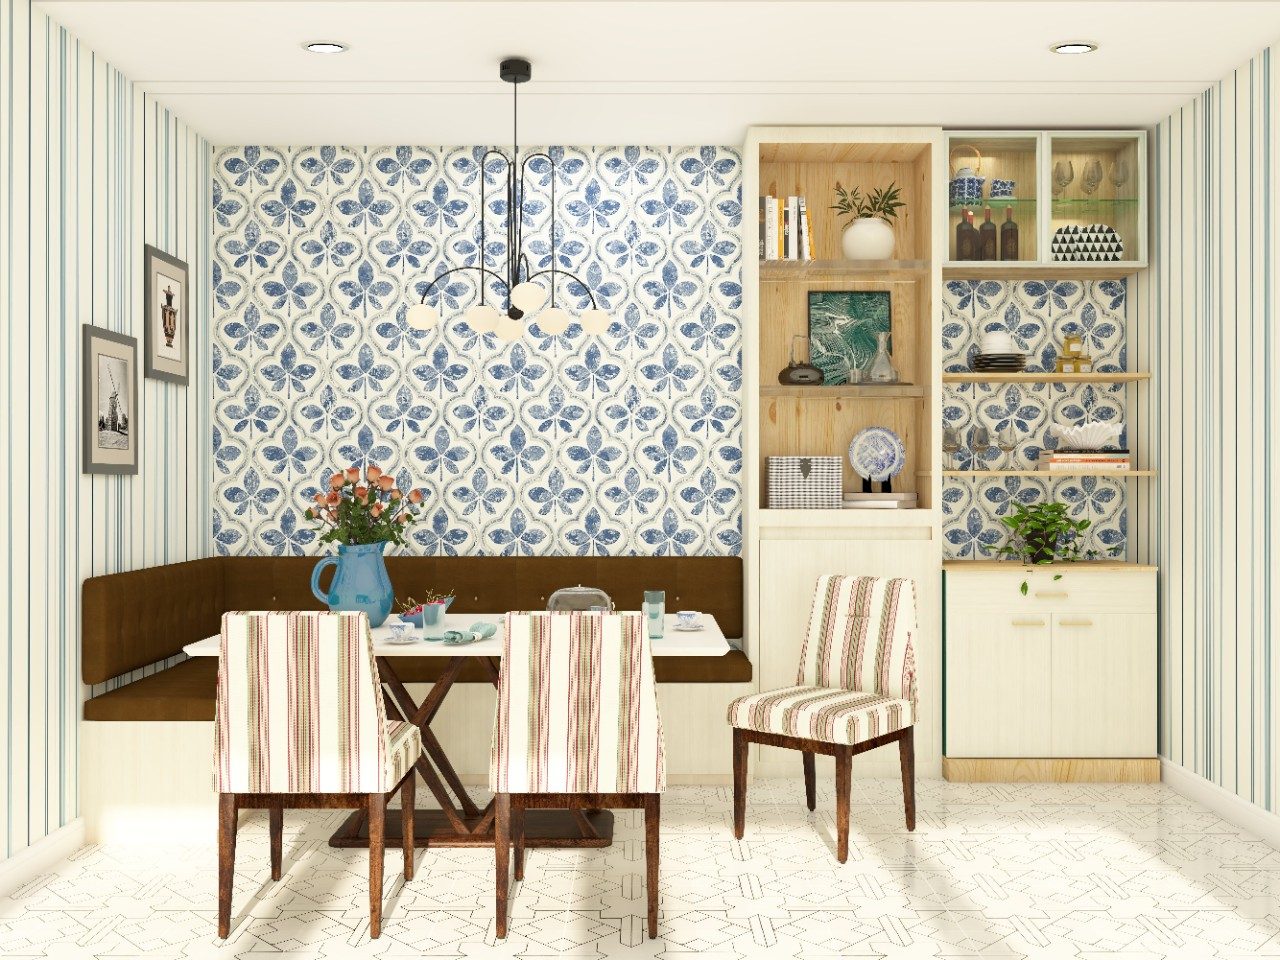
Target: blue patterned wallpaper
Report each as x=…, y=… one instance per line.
x=1039, y=314
x=629, y=442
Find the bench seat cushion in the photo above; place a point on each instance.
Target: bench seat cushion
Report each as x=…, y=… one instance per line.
x=184, y=691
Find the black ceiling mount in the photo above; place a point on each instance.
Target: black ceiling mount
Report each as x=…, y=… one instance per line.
x=515, y=70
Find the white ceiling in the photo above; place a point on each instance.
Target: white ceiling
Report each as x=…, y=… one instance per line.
x=660, y=71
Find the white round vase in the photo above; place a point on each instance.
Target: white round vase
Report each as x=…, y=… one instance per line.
x=868, y=238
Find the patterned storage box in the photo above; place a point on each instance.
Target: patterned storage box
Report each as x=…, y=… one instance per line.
x=805, y=483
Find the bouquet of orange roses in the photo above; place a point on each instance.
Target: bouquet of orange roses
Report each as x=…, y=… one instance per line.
x=368, y=509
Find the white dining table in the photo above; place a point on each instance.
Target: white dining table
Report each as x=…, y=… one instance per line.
x=460, y=822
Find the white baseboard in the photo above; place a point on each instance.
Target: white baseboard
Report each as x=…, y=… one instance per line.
x=1229, y=806
x=25, y=865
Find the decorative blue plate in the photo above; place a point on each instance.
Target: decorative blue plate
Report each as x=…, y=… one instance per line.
x=877, y=453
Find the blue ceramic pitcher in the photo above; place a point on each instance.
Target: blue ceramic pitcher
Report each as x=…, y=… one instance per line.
x=359, y=583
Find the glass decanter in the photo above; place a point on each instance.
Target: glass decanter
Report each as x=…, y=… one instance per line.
x=880, y=369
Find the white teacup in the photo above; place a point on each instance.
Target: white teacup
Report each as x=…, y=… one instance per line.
x=688, y=618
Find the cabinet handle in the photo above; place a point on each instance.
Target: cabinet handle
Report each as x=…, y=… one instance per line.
x=1076, y=623
x=1051, y=594
x=1028, y=623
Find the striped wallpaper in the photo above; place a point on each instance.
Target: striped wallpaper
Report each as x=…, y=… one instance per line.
x=90, y=170
x=1210, y=521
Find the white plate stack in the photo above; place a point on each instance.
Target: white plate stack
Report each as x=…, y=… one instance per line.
x=997, y=353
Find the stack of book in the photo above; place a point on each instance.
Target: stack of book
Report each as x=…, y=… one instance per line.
x=784, y=229
x=881, y=501
x=1067, y=460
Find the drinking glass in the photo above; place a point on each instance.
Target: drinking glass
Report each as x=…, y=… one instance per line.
x=1063, y=174
x=981, y=444
x=1118, y=174
x=950, y=445
x=1091, y=177
x=655, y=609
x=1007, y=441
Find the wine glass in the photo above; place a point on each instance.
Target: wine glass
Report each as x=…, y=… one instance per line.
x=1118, y=174
x=1007, y=441
x=981, y=444
x=1091, y=177
x=1063, y=174
x=950, y=445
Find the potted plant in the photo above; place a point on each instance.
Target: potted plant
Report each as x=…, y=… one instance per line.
x=427, y=612
x=870, y=234
x=1044, y=533
x=361, y=515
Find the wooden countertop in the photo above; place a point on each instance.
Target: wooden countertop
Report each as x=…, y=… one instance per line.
x=1055, y=567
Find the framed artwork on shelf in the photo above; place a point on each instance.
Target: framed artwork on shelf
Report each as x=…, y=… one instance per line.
x=844, y=327
x=167, y=330
x=110, y=389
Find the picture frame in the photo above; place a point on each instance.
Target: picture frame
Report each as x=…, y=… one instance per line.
x=842, y=330
x=110, y=389
x=166, y=353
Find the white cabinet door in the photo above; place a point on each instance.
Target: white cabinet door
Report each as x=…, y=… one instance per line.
x=998, y=688
x=1104, y=685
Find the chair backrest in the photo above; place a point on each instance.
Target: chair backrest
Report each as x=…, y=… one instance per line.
x=577, y=707
x=862, y=636
x=299, y=707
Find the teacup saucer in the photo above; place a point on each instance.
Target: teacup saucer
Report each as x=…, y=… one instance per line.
x=694, y=628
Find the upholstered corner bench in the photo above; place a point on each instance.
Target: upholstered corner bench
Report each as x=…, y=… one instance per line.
x=143, y=617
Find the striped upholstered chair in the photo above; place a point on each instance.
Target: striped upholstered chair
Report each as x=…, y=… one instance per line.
x=577, y=727
x=300, y=723
x=855, y=691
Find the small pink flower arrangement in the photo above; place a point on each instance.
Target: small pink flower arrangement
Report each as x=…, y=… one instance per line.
x=365, y=509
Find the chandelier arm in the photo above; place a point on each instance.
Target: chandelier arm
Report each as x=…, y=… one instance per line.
x=483, y=207
x=523, y=167
x=565, y=273
x=483, y=271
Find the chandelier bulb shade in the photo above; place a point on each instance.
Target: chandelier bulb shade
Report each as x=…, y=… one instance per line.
x=482, y=318
x=514, y=276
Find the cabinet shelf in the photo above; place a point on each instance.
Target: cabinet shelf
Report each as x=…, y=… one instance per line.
x=851, y=391
x=772, y=271
x=1035, y=270
x=1105, y=376
x=1115, y=474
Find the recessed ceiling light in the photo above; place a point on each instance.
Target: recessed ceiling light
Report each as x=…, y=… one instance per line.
x=1074, y=46
x=325, y=46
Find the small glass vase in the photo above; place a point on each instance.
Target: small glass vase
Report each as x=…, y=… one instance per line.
x=880, y=369
x=655, y=609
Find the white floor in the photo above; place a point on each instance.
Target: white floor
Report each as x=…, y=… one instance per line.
x=1046, y=871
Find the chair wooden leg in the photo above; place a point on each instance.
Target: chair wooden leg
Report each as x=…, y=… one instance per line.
x=377, y=831
x=406, y=824
x=226, y=860
x=810, y=781
x=907, y=754
x=501, y=841
x=276, y=818
x=652, y=813
x=739, y=783
x=517, y=837
x=844, y=768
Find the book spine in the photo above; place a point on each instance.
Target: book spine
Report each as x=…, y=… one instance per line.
x=780, y=237
x=806, y=252
x=786, y=229
x=771, y=228
x=760, y=224
x=793, y=238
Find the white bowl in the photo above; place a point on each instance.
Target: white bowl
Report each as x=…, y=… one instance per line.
x=1088, y=436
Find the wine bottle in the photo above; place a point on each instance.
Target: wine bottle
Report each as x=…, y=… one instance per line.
x=987, y=238
x=966, y=238
x=1008, y=236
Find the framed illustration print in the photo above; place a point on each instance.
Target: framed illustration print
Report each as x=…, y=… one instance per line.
x=167, y=331
x=110, y=387
x=843, y=328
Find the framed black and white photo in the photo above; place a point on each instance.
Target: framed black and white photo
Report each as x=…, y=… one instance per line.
x=110, y=425
x=166, y=353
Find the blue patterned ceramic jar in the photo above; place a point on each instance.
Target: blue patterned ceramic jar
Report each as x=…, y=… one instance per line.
x=359, y=583
x=966, y=188
x=1002, y=189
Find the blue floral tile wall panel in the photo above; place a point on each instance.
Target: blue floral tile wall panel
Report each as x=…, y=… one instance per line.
x=1038, y=314
x=625, y=443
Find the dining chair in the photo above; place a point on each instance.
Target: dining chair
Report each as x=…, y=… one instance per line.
x=300, y=723
x=855, y=691
x=577, y=728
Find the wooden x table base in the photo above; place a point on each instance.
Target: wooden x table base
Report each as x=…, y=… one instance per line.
x=459, y=822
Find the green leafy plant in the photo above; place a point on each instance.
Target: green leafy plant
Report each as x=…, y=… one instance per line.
x=368, y=509
x=882, y=202
x=1043, y=533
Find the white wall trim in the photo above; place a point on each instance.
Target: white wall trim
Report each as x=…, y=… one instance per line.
x=29, y=863
x=1230, y=807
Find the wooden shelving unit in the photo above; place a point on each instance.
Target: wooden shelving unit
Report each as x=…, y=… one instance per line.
x=776, y=270
x=848, y=391
x=1110, y=376
x=987, y=474
x=996, y=270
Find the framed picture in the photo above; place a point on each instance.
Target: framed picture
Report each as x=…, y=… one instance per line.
x=166, y=353
x=110, y=402
x=842, y=330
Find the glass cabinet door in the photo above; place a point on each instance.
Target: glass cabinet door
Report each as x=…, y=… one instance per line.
x=1097, y=208
x=992, y=187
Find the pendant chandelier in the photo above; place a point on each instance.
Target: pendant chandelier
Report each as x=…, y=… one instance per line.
x=523, y=294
